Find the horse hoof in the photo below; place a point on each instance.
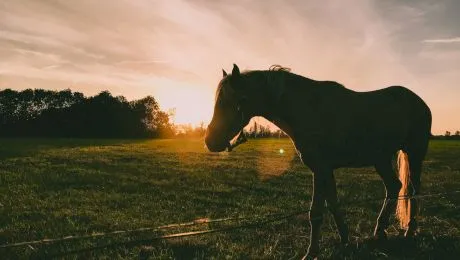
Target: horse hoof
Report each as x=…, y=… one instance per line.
x=312, y=253
x=410, y=233
x=344, y=241
x=380, y=236
x=309, y=257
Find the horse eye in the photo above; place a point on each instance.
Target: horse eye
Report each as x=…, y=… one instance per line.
x=241, y=101
x=220, y=102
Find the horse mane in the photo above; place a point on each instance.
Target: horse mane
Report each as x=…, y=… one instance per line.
x=275, y=80
x=269, y=77
x=277, y=67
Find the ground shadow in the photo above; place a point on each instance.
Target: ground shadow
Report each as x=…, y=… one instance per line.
x=424, y=246
x=175, y=249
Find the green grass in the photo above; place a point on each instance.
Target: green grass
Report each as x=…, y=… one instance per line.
x=57, y=187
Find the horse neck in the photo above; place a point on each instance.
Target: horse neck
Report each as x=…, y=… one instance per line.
x=288, y=93
x=269, y=86
x=272, y=86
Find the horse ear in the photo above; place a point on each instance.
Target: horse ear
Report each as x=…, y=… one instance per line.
x=236, y=70
x=224, y=73
x=236, y=79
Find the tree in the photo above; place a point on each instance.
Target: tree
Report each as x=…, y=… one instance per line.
x=70, y=114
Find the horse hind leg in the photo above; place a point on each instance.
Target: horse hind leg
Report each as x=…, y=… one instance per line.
x=392, y=188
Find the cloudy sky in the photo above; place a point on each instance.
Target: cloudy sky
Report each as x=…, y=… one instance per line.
x=175, y=49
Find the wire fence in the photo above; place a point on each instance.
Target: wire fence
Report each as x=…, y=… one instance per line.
x=255, y=221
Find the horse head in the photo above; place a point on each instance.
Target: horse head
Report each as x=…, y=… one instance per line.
x=231, y=111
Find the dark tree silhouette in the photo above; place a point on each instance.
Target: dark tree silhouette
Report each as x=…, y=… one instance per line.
x=70, y=114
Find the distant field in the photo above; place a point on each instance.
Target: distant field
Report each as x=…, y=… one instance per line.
x=52, y=188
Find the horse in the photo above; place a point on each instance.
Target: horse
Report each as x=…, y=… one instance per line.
x=332, y=127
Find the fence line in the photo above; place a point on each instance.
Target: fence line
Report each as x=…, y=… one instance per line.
x=177, y=235
x=117, y=232
x=271, y=218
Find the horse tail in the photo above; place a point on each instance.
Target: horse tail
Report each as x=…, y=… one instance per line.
x=403, y=205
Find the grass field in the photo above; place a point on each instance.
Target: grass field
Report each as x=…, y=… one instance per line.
x=52, y=188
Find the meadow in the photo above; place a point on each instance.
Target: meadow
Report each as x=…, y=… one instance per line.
x=52, y=188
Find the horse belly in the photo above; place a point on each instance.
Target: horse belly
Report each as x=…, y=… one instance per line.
x=355, y=159
x=363, y=152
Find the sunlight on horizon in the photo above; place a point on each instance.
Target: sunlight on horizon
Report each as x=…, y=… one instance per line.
x=192, y=104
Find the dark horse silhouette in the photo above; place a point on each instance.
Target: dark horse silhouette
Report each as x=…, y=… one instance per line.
x=332, y=127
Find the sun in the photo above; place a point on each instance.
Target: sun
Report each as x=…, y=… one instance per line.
x=192, y=104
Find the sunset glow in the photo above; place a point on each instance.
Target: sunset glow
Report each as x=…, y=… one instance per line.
x=192, y=103
x=174, y=50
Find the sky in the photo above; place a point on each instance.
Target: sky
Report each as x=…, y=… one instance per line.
x=174, y=50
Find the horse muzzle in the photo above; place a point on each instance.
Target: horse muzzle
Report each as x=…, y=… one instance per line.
x=214, y=146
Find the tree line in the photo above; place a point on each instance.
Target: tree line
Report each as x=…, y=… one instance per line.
x=448, y=136
x=48, y=113
x=256, y=130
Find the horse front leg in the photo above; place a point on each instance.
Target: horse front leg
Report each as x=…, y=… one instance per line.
x=334, y=207
x=316, y=213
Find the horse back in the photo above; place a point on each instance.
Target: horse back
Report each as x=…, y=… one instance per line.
x=353, y=128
